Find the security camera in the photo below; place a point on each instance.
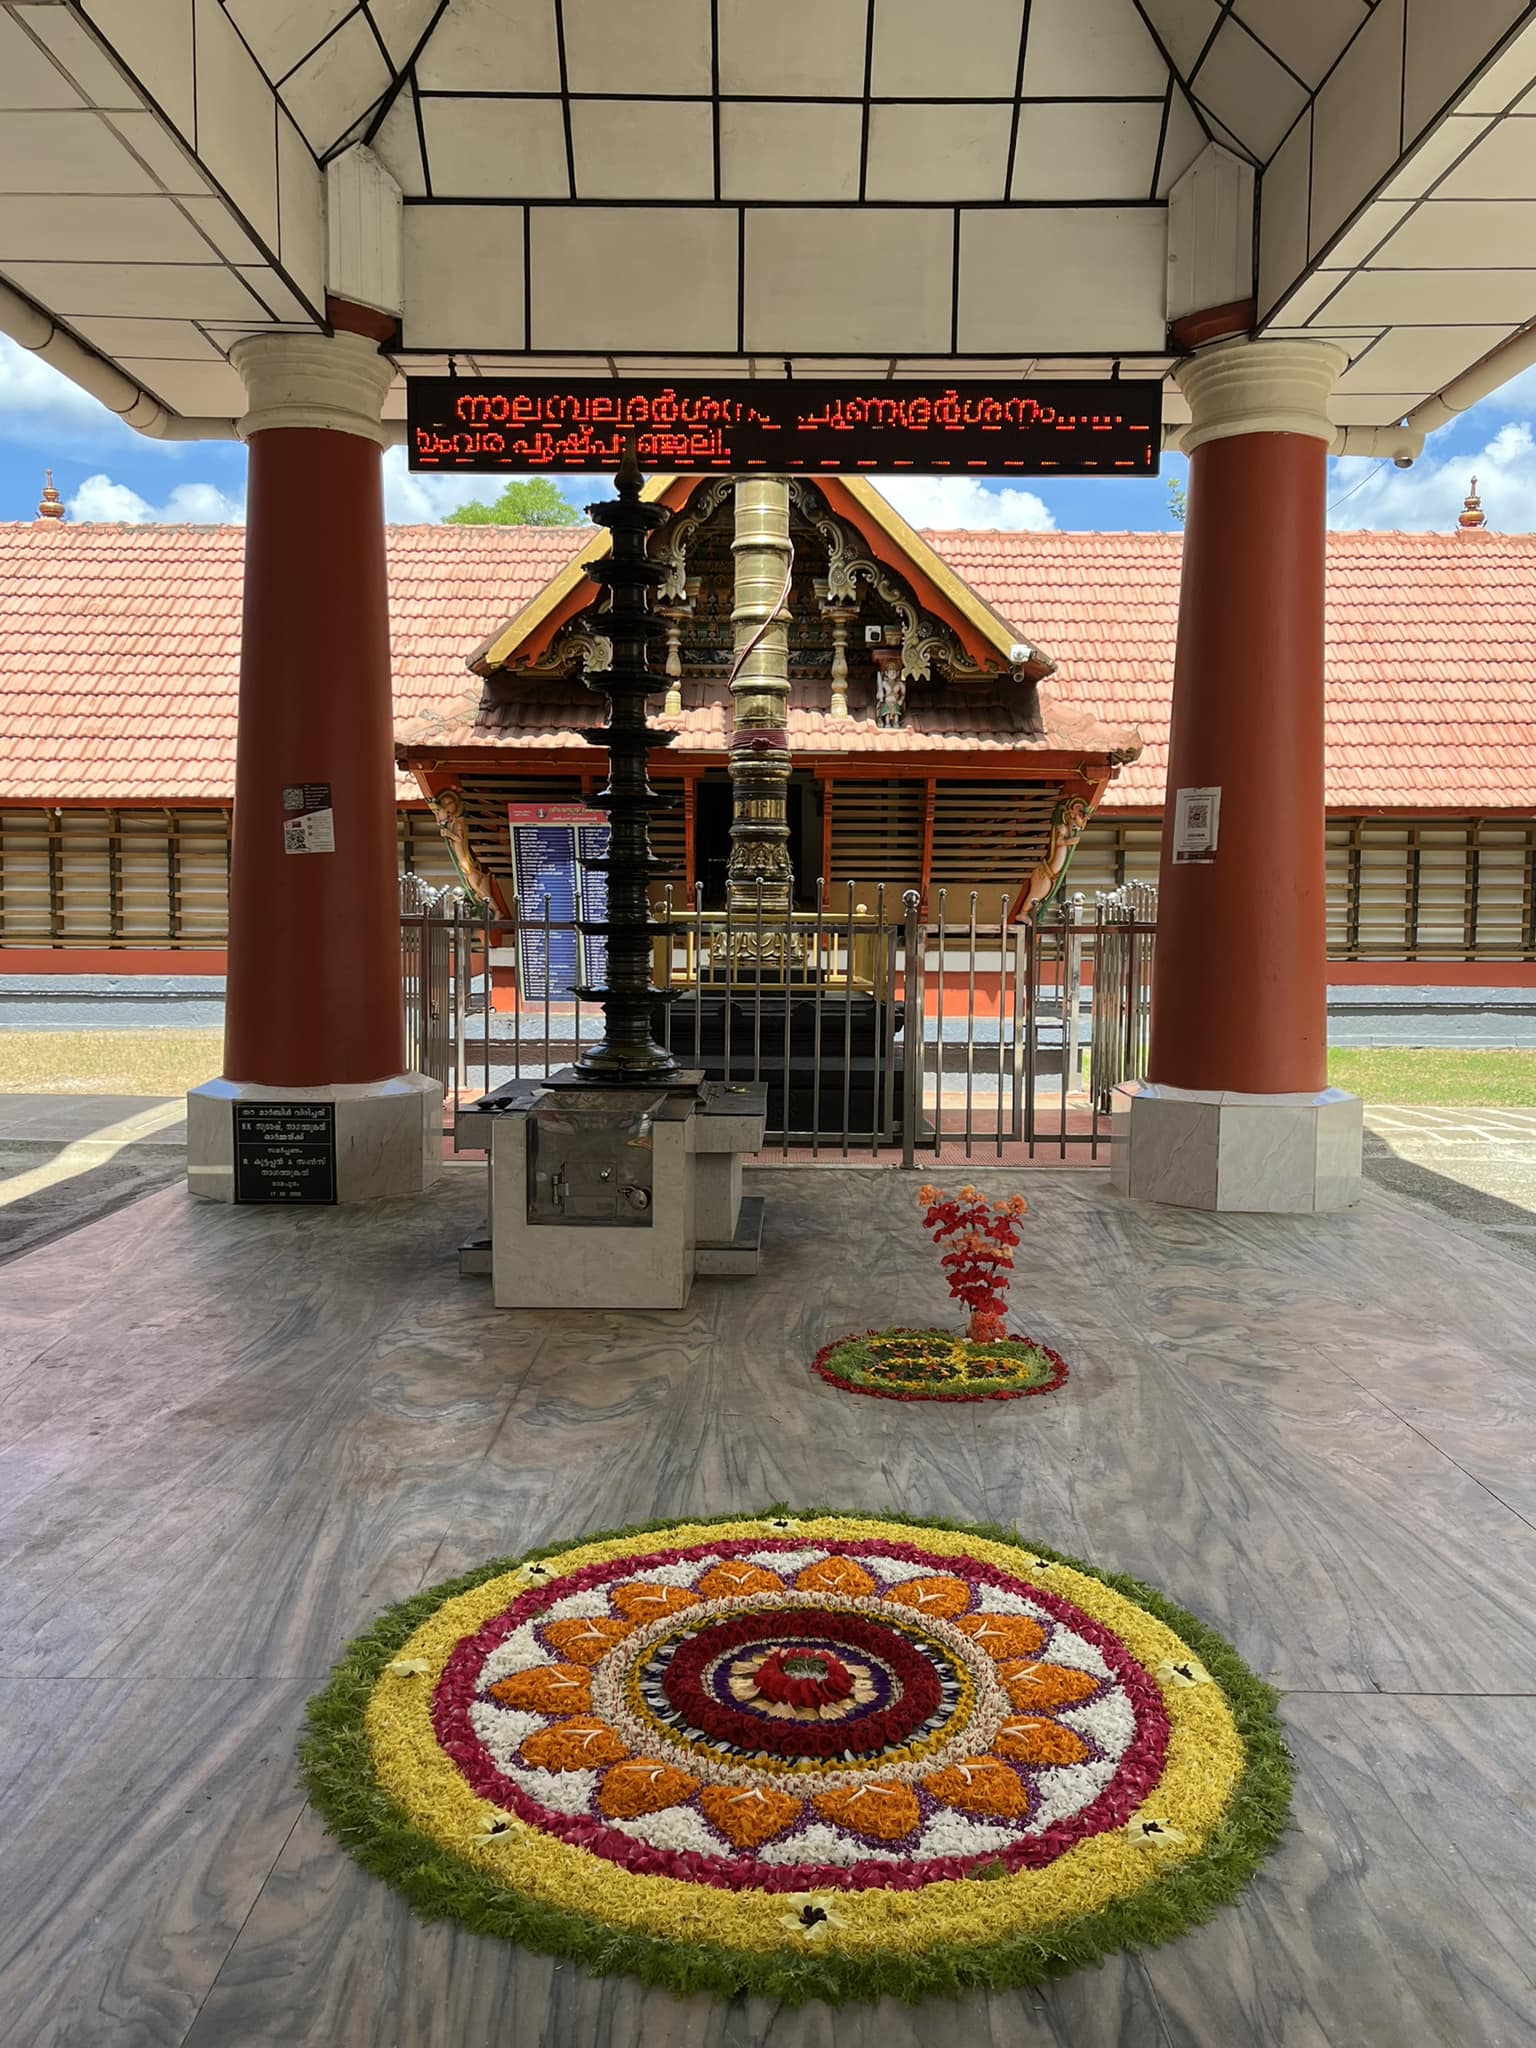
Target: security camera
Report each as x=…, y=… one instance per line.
x=1402, y=462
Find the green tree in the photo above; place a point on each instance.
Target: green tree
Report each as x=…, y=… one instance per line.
x=524, y=501
x=1176, y=500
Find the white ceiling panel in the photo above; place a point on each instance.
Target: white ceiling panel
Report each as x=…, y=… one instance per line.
x=1360, y=241
x=1097, y=48
x=154, y=39
x=1419, y=358
x=595, y=272
x=331, y=89
x=64, y=227
x=1307, y=35
x=946, y=151
x=171, y=166
x=162, y=340
x=237, y=120
x=66, y=152
x=166, y=291
x=1054, y=278
x=617, y=46
x=809, y=49
x=401, y=23
x=1283, y=221
x=1435, y=155
x=1505, y=82
x=1183, y=141
x=1347, y=410
x=28, y=75
x=642, y=149
x=789, y=150
x=1382, y=298
x=202, y=390
x=1446, y=44
x=283, y=32
x=1086, y=151
x=1184, y=28
x=845, y=280
x=1355, y=125
x=397, y=145
x=222, y=229
x=1248, y=90
x=492, y=46
x=969, y=50
x=495, y=149
x=90, y=68
x=301, y=205
x=1502, y=166
x=274, y=294
x=463, y=271
x=1459, y=234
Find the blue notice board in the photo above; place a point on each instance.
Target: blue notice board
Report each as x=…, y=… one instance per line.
x=549, y=841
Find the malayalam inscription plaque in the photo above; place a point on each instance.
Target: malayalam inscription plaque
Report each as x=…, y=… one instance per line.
x=285, y=1151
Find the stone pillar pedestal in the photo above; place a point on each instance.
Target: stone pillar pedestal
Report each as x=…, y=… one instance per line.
x=1204, y=1149
x=314, y=1011
x=1236, y=1112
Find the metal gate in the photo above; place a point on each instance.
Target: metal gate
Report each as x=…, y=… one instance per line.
x=882, y=1031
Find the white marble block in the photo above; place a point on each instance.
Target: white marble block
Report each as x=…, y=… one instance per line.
x=389, y=1134
x=1207, y=1149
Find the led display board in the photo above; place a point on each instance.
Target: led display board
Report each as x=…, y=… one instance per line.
x=985, y=427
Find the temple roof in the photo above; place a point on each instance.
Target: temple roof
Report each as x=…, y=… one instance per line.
x=119, y=651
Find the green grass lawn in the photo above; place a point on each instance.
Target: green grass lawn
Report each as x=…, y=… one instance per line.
x=108, y=1062
x=1450, y=1079
x=170, y=1062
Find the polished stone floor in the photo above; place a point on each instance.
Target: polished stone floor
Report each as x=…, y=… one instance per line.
x=228, y=1436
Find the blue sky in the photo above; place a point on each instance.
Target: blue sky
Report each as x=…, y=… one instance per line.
x=106, y=471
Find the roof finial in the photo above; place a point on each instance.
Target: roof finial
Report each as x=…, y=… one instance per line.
x=52, y=506
x=1472, y=511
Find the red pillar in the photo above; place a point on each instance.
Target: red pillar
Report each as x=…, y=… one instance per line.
x=314, y=943
x=1239, y=986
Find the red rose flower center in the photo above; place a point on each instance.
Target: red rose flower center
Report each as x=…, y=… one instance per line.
x=803, y=1678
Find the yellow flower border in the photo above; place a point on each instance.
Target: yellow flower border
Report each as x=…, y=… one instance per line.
x=1204, y=1766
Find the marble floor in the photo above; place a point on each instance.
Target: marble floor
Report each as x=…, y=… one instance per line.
x=227, y=1437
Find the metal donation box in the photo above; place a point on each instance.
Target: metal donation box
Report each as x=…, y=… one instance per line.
x=591, y=1157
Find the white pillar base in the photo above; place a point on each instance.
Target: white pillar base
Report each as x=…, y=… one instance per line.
x=1207, y=1149
x=389, y=1134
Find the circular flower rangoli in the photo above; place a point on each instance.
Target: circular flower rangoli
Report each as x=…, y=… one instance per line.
x=826, y=1756
x=940, y=1365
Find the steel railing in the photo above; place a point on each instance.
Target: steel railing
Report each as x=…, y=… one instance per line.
x=882, y=1029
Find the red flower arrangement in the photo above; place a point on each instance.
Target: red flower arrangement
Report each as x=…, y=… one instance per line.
x=980, y=1237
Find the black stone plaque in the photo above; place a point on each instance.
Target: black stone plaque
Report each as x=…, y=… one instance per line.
x=285, y=1151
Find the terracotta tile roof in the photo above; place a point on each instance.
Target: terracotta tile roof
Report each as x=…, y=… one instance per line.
x=119, y=650
x=120, y=646
x=1431, y=653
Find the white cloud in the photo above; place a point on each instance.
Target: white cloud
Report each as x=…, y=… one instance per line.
x=98, y=498
x=40, y=407
x=1428, y=497
x=951, y=501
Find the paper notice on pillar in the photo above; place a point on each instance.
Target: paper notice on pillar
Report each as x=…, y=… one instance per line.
x=309, y=822
x=1196, y=816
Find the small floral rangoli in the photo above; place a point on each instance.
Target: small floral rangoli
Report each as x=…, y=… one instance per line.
x=939, y=1365
x=821, y=1756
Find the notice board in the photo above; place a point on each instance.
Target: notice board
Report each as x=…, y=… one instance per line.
x=285, y=1151
x=1003, y=426
x=549, y=844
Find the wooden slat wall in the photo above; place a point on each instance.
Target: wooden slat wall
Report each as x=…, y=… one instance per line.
x=877, y=834
x=129, y=878
x=1398, y=889
x=990, y=836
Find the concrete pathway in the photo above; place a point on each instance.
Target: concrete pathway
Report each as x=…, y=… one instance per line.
x=67, y=1159
x=1478, y=1165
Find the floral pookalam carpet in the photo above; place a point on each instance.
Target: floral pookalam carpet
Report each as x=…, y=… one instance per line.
x=818, y=1756
x=939, y=1365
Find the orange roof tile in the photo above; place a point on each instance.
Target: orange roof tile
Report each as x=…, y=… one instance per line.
x=119, y=653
